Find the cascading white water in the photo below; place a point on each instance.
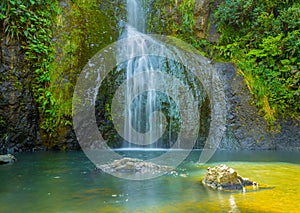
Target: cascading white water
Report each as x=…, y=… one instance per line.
x=144, y=122
x=140, y=106
x=156, y=67
x=136, y=16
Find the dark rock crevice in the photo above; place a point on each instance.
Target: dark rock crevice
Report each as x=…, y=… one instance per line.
x=18, y=111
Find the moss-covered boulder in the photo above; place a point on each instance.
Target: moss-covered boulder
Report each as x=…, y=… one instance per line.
x=133, y=165
x=225, y=178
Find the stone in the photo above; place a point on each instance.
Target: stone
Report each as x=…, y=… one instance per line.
x=246, y=128
x=7, y=159
x=201, y=16
x=225, y=178
x=19, y=121
x=133, y=165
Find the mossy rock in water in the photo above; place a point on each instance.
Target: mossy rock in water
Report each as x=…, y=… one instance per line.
x=133, y=165
x=225, y=178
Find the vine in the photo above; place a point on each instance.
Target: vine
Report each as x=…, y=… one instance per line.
x=29, y=22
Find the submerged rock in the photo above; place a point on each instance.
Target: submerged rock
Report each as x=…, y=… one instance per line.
x=7, y=159
x=133, y=165
x=225, y=178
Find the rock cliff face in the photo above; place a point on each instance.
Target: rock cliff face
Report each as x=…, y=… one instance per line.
x=205, y=25
x=18, y=113
x=289, y=136
x=201, y=14
x=245, y=127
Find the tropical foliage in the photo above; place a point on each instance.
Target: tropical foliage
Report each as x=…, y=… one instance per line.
x=30, y=23
x=261, y=36
x=263, y=39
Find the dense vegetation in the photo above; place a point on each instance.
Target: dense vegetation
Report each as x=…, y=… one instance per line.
x=263, y=39
x=81, y=30
x=57, y=41
x=261, y=36
x=30, y=23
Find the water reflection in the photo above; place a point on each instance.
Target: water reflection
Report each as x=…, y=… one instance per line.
x=233, y=206
x=34, y=185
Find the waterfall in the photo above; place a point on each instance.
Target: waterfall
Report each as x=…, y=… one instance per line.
x=146, y=109
x=142, y=126
x=156, y=80
x=136, y=16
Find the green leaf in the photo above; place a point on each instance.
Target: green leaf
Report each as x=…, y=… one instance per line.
x=285, y=61
x=23, y=7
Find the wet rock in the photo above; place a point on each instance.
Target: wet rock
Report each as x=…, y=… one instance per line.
x=133, y=165
x=246, y=128
x=225, y=178
x=288, y=138
x=19, y=121
x=7, y=159
x=201, y=16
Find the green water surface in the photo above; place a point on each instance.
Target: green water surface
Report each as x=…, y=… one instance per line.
x=68, y=182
